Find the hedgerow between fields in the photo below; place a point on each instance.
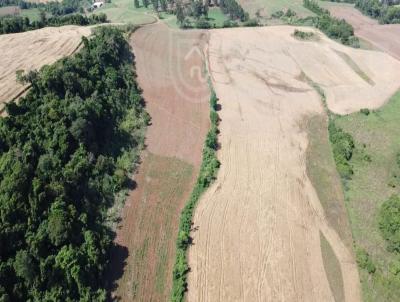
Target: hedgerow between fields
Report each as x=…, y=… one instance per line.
x=66, y=150
x=331, y=26
x=207, y=175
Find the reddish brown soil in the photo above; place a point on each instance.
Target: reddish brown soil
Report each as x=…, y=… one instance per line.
x=385, y=37
x=170, y=75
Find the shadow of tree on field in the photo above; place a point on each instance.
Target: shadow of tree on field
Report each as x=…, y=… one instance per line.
x=118, y=260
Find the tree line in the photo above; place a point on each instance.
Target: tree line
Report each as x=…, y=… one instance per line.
x=386, y=12
x=331, y=26
x=54, y=8
x=66, y=150
x=17, y=24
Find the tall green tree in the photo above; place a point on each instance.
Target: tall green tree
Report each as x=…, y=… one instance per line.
x=180, y=14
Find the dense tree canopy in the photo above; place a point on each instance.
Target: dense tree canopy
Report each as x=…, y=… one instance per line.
x=63, y=151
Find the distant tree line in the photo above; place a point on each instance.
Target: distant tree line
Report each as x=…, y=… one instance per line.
x=197, y=9
x=54, y=8
x=17, y=24
x=386, y=12
x=64, y=154
x=331, y=26
x=22, y=4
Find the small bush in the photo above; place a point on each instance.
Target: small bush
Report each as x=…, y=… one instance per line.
x=229, y=23
x=278, y=14
x=202, y=23
x=251, y=23
x=304, y=35
x=364, y=261
x=290, y=13
x=365, y=111
x=342, y=147
x=389, y=223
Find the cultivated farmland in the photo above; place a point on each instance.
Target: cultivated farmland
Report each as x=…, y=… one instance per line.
x=31, y=50
x=170, y=70
x=259, y=230
x=385, y=37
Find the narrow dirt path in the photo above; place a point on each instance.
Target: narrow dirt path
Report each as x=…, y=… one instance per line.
x=257, y=229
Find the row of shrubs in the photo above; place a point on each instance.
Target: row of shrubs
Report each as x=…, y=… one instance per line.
x=331, y=26
x=342, y=147
x=207, y=175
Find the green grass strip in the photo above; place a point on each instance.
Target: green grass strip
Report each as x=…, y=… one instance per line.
x=207, y=174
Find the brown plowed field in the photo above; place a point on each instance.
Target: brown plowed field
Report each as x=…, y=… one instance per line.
x=31, y=50
x=385, y=37
x=170, y=67
x=258, y=227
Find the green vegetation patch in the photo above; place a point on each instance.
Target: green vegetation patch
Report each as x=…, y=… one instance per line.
x=305, y=35
x=374, y=180
x=66, y=150
x=332, y=269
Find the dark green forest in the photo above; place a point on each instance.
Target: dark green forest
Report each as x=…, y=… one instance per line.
x=16, y=24
x=66, y=150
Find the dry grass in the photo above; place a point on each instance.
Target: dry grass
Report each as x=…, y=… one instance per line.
x=376, y=135
x=31, y=50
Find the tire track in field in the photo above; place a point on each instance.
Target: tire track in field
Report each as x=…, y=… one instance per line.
x=259, y=223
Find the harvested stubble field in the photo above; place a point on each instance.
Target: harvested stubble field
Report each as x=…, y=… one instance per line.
x=385, y=37
x=170, y=66
x=31, y=50
x=261, y=231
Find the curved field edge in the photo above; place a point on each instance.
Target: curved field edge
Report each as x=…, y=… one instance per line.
x=374, y=180
x=207, y=175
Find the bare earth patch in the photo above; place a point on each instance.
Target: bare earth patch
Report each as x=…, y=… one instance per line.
x=170, y=66
x=31, y=50
x=385, y=37
x=257, y=229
